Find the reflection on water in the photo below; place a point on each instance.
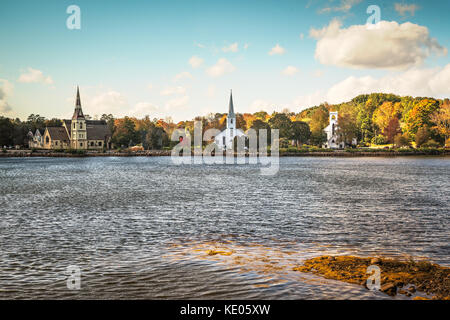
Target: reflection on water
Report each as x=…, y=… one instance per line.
x=133, y=225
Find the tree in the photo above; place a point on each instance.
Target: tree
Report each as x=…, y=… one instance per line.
x=347, y=129
x=53, y=123
x=392, y=129
x=156, y=138
x=422, y=136
x=281, y=122
x=300, y=132
x=401, y=140
x=258, y=125
x=6, y=132
x=419, y=115
x=319, y=120
x=441, y=120
x=125, y=133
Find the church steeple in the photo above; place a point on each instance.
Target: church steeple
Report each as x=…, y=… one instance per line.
x=78, y=113
x=230, y=106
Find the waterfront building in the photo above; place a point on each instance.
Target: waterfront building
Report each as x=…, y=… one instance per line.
x=224, y=140
x=78, y=133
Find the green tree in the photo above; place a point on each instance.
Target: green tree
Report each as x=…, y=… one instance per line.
x=6, y=132
x=281, y=122
x=125, y=133
x=300, y=132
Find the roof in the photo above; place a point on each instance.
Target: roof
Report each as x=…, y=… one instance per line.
x=58, y=133
x=97, y=130
x=230, y=106
x=78, y=113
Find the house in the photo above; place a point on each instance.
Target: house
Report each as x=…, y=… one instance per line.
x=333, y=137
x=35, y=140
x=224, y=140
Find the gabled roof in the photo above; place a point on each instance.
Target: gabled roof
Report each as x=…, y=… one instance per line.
x=58, y=133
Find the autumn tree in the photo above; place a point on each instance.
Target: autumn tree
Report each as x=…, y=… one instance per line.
x=441, y=120
x=281, y=122
x=422, y=136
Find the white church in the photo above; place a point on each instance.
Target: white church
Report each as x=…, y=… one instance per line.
x=224, y=140
x=332, y=136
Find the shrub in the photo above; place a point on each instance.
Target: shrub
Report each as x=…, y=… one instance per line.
x=379, y=139
x=401, y=140
x=431, y=144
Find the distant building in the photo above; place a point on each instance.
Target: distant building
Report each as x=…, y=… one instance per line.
x=78, y=133
x=35, y=140
x=333, y=141
x=224, y=140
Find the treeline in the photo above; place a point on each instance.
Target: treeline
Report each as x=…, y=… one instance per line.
x=371, y=118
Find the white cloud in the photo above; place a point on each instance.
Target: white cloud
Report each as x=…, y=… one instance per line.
x=402, y=9
x=433, y=82
x=142, y=109
x=173, y=90
x=199, y=45
x=289, y=71
x=277, y=50
x=246, y=46
x=182, y=75
x=222, y=67
x=34, y=76
x=6, y=89
x=262, y=105
x=177, y=103
x=231, y=48
x=344, y=6
x=107, y=102
x=211, y=91
x=195, y=61
x=318, y=73
x=387, y=46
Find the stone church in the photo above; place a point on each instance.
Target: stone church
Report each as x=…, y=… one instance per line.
x=224, y=140
x=78, y=133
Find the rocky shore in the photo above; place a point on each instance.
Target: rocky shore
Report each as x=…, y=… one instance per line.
x=165, y=153
x=397, y=277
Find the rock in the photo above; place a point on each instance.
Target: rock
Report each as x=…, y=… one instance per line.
x=389, y=288
x=412, y=289
x=331, y=258
x=375, y=261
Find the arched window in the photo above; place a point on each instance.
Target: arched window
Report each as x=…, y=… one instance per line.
x=99, y=143
x=81, y=125
x=92, y=143
x=74, y=125
x=47, y=140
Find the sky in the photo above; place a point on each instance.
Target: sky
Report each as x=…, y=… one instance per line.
x=180, y=59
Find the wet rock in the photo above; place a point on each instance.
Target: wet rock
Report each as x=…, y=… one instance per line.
x=375, y=261
x=389, y=288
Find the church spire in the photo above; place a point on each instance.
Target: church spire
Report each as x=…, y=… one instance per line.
x=78, y=97
x=230, y=106
x=78, y=113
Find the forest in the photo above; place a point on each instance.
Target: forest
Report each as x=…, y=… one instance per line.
x=375, y=119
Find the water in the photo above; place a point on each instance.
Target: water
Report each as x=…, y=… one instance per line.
x=139, y=228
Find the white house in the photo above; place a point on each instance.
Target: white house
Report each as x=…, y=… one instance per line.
x=332, y=136
x=224, y=140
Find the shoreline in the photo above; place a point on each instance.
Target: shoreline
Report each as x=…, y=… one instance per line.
x=167, y=153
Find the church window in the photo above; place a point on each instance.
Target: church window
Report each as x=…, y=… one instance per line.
x=223, y=141
x=47, y=140
x=81, y=144
x=231, y=121
x=74, y=125
x=56, y=143
x=99, y=143
x=92, y=143
x=81, y=125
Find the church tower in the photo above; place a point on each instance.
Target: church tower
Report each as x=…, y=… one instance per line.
x=231, y=118
x=78, y=137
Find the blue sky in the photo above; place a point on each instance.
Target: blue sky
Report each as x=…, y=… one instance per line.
x=134, y=57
